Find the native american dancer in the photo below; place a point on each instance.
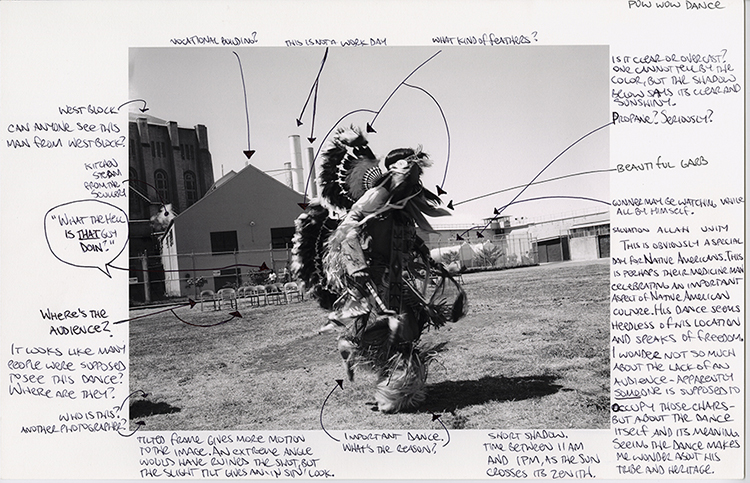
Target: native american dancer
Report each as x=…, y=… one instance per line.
x=357, y=251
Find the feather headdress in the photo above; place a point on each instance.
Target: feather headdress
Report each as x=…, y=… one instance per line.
x=349, y=168
x=403, y=178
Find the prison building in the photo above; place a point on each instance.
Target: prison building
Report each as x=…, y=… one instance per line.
x=169, y=170
x=563, y=237
x=168, y=164
x=510, y=241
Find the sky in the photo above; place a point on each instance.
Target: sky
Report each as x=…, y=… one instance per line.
x=491, y=118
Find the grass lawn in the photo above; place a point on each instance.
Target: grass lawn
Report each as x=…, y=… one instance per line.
x=533, y=352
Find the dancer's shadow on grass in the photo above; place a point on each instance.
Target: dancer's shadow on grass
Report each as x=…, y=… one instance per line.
x=144, y=407
x=451, y=395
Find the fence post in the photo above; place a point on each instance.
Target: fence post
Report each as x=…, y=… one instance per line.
x=236, y=270
x=146, y=281
x=195, y=275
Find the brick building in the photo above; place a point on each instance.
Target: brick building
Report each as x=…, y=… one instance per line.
x=170, y=168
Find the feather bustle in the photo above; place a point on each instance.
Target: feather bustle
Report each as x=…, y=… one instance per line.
x=310, y=239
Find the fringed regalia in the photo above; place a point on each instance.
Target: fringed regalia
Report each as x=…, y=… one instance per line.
x=358, y=253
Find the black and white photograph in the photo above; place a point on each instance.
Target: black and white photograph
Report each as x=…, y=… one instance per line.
x=363, y=238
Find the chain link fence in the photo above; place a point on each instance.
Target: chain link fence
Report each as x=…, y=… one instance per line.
x=164, y=277
x=173, y=276
x=498, y=251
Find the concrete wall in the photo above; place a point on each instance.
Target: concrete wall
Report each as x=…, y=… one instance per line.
x=584, y=248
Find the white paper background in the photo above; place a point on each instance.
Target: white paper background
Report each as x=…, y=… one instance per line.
x=53, y=54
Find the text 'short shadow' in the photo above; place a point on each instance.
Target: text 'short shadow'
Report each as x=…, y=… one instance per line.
x=451, y=395
x=143, y=408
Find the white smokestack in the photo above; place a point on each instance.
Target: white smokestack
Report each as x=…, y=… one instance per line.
x=310, y=170
x=288, y=174
x=298, y=182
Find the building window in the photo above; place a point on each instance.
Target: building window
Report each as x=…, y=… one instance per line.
x=191, y=188
x=134, y=203
x=282, y=237
x=162, y=185
x=158, y=149
x=223, y=242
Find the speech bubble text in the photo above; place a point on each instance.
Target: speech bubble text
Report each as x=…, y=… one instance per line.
x=86, y=233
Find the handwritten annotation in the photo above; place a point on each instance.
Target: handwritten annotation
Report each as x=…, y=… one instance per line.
x=192, y=40
x=86, y=233
x=353, y=42
x=677, y=329
x=660, y=88
x=538, y=454
x=229, y=455
x=487, y=39
x=52, y=372
x=671, y=4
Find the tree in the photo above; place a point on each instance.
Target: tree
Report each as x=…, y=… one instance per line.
x=487, y=255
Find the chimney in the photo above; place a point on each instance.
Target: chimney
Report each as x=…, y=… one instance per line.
x=288, y=174
x=310, y=170
x=298, y=181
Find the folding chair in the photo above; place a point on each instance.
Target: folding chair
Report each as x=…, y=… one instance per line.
x=227, y=295
x=291, y=290
x=207, y=296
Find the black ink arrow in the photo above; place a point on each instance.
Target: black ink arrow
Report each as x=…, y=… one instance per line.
x=249, y=151
x=558, y=157
x=315, y=109
x=370, y=129
x=142, y=109
x=533, y=180
x=138, y=424
x=340, y=384
x=313, y=89
x=538, y=198
x=436, y=417
x=557, y=178
x=447, y=133
x=261, y=268
x=190, y=302
x=234, y=315
x=564, y=197
x=143, y=394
